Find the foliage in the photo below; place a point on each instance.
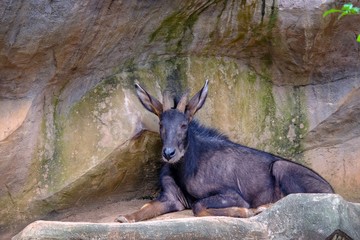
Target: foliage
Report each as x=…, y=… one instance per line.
x=347, y=9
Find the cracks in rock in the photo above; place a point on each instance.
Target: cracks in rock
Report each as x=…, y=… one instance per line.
x=121, y=180
x=176, y=25
x=110, y=4
x=54, y=58
x=198, y=11
x=344, y=170
x=221, y=12
x=263, y=7
x=17, y=26
x=53, y=80
x=345, y=78
x=100, y=120
x=87, y=36
x=9, y=194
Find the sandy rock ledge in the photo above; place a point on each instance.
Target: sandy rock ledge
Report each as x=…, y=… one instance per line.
x=298, y=216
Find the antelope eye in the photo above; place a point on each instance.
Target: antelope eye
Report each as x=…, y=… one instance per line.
x=183, y=126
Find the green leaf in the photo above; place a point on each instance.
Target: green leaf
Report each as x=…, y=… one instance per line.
x=358, y=38
x=347, y=7
x=331, y=11
x=355, y=10
x=343, y=14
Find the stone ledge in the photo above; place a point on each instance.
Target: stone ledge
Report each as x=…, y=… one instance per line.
x=305, y=216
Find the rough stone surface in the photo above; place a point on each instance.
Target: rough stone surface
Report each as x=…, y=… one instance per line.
x=298, y=216
x=282, y=79
x=206, y=228
x=311, y=216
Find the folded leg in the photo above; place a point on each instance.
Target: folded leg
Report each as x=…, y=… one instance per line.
x=230, y=205
x=171, y=199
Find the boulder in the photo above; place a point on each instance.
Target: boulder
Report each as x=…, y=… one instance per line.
x=298, y=216
x=312, y=216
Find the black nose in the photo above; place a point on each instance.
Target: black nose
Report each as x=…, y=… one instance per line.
x=168, y=153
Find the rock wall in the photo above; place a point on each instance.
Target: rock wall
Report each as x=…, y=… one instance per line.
x=282, y=79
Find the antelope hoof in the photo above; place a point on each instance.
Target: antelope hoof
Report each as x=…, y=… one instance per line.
x=262, y=208
x=122, y=219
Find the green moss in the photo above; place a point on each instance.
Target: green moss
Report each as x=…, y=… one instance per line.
x=242, y=104
x=42, y=156
x=251, y=78
x=291, y=126
x=169, y=73
x=70, y=156
x=172, y=27
x=176, y=29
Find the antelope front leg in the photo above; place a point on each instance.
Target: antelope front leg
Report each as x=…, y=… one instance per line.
x=149, y=210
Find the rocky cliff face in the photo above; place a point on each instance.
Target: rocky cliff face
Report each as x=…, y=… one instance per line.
x=282, y=79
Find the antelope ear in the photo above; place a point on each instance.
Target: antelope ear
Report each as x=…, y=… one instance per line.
x=197, y=101
x=148, y=101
